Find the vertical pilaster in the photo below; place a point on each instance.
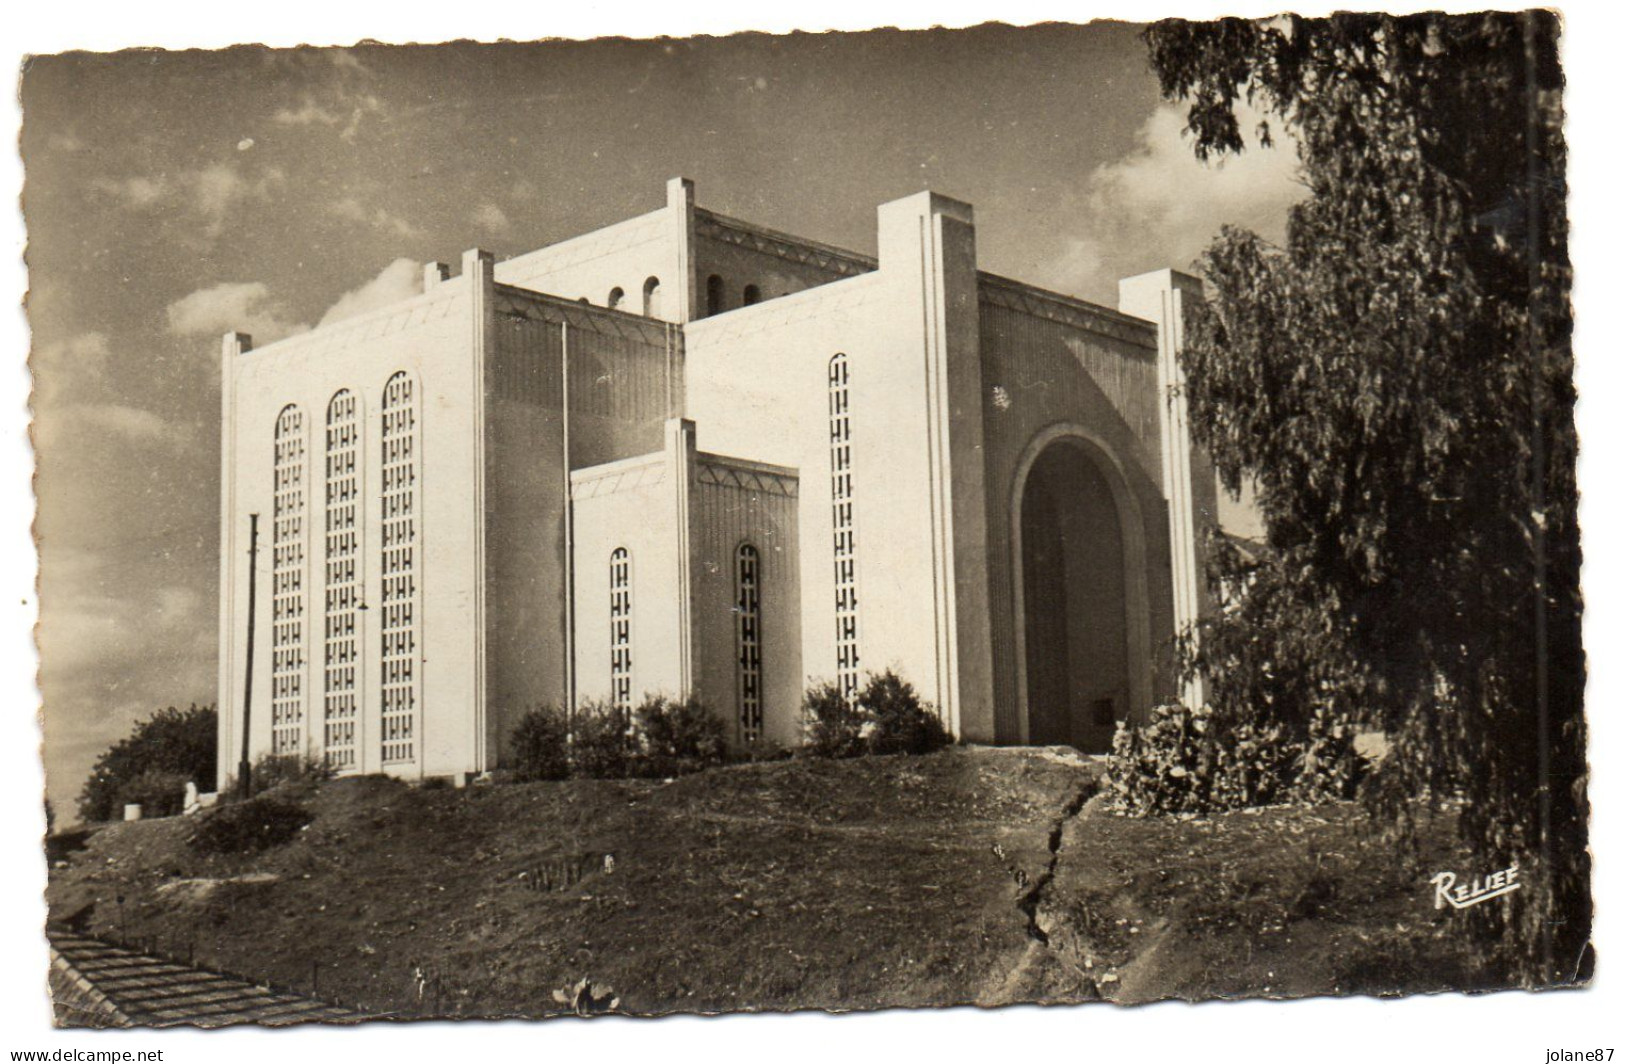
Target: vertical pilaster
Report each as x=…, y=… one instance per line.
x=479, y=271
x=232, y=664
x=685, y=290
x=928, y=249
x=681, y=460
x=1160, y=297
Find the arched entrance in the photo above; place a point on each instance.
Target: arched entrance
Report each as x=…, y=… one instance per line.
x=1082, y=627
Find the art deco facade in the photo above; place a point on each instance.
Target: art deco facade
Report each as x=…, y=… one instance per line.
x=686, y=454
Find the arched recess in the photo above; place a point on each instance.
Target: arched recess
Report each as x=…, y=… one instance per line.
x=651, y=298
x=714, y=295
x=616, y=298
x=1088, y=628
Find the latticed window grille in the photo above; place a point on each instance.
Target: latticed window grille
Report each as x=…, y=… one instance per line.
x=341, y=646
x=620, y=629
x=843, y=524
x=398, y=526
x=748, y=608
x=288, y=583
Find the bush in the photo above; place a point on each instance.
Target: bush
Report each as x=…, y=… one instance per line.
x=678, y=737
x=181, y=742
x=833, y=724
x=1194, y=761
x=899, y=723
x=159, y=793
x=294, y=775
x=601, y=742
x=540, y=745
x=886, y=717
x=249, y=827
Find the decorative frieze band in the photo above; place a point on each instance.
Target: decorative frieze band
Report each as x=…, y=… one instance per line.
x=1013, y=295
x=757, y=480
x=781, y=245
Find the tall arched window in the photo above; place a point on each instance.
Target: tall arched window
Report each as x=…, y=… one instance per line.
x=753, y=295
x=288, y=584
x=843, y=526
x=341, y=650
x=713, y=295
x=620, y=629
x=651, y=298
x=616, y=298
x=748, y=608
x=399, y=546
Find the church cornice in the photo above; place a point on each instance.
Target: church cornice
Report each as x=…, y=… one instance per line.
x=1052, y=306
x=795, y=249
x=521, y=304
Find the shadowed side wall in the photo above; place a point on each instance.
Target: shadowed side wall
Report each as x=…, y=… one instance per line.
x=1055, y=365
x=624, y=374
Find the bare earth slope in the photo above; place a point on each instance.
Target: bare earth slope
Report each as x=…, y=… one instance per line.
x=974, y=875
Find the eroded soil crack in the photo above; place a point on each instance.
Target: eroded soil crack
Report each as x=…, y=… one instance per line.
x=1033, y=897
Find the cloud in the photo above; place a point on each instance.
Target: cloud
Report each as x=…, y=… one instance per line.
x=70, y=364
x=1160, y=206
x=354, y=210
x=491, y=218
x=134, y=191
x=213, y=191
x=127, y=422
x=244, y=307
x=220, y=187
x=342, y=108
x=401, y=279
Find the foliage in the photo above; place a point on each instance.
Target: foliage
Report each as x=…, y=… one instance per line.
x=1199, y=761
x=899, y=723
x=675, y=737
x=157, y=792
x=602, y=742
x=886, y=717
x=539, y=745
x=295, y=774
x=172, y=740
x=249, y=827
x=1397, y=382
x=831, y=722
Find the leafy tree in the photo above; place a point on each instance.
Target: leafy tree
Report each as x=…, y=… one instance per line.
x=1397, y=380
x=173, y=744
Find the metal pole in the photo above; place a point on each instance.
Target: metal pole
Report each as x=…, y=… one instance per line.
x=243, y=769
x=569, y=541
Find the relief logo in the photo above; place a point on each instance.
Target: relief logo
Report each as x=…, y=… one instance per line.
x=1466, y=895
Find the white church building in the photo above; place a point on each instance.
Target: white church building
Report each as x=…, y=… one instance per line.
x=689, y=455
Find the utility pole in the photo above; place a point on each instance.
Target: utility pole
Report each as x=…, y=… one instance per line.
x=243, y=769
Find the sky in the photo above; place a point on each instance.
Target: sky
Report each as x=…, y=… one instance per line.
x=172, y=196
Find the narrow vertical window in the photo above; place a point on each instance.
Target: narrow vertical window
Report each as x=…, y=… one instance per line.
x=748, y=608
x=651, y=298
x=288, y=584
x=399, y=544
x=713, y=295
x=620, y=629
x=843, y=527
x=753, y=295
x=341, y=650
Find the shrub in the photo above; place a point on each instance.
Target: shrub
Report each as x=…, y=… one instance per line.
x=172, y=740
x=832, y=723
x=295, y=775
x=897, y=721
x=159, y=793
x=249, y=827
x=601, y=742
x=1195, y=761
x=540, y=745
x=886, y=717
x=677, y=737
